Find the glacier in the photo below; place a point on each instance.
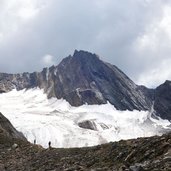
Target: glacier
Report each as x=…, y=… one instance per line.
x=55, y=120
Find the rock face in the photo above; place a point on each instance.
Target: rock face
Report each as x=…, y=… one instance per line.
x=7, y=131
x=84, y=78
x=162, y=103
x=88, y=124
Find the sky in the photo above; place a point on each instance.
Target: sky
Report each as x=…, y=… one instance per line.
x=134, y=35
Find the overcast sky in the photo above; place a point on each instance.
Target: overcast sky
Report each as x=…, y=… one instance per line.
x=134, y=35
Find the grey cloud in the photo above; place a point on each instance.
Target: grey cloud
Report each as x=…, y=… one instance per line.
x=109, y=28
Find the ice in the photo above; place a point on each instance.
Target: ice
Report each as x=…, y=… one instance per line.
x=57, y=121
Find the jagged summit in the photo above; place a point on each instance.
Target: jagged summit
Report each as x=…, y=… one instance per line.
x=84, y=78
x=81, y=54
x=81, y=57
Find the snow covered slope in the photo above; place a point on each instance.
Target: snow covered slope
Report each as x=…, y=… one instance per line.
x=56, y=121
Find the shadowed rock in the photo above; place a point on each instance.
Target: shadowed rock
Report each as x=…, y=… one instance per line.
x=7, y=131
x=88, y=124
x=162, y=103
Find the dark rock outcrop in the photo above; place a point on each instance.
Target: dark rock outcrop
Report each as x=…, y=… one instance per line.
x=88, y=124
x=162, y=102
x=7, y=131
x=84, y=78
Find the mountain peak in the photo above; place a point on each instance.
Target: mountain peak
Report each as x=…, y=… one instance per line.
x=167, y=82
x=81, y=54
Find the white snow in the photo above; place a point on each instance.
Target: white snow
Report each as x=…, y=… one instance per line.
x=56, y=121
x=78, y=92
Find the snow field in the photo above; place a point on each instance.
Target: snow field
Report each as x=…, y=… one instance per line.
x=55, y=120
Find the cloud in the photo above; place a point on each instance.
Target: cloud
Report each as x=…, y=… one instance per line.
x=14, y=13
x=153, y=51
x=156, y=75
x=134, y=35
x=48, y=60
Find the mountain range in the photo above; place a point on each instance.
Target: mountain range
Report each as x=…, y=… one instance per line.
x=41, y=115
x=83, y=78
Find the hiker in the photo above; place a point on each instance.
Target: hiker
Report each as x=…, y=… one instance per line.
x=49, y=144
x=34, y=141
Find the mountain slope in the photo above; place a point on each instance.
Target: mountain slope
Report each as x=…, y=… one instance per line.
x=7, y=131
x=162, y=102
x=84, y=78
x=145, y=154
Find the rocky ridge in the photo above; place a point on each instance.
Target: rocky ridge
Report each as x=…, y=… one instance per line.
x=162, y=102
x=7, y=131
x=84, y=78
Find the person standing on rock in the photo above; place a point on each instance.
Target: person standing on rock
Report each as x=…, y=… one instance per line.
x=49, y=144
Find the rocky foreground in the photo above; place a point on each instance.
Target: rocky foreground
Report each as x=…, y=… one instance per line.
x=152, y=153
